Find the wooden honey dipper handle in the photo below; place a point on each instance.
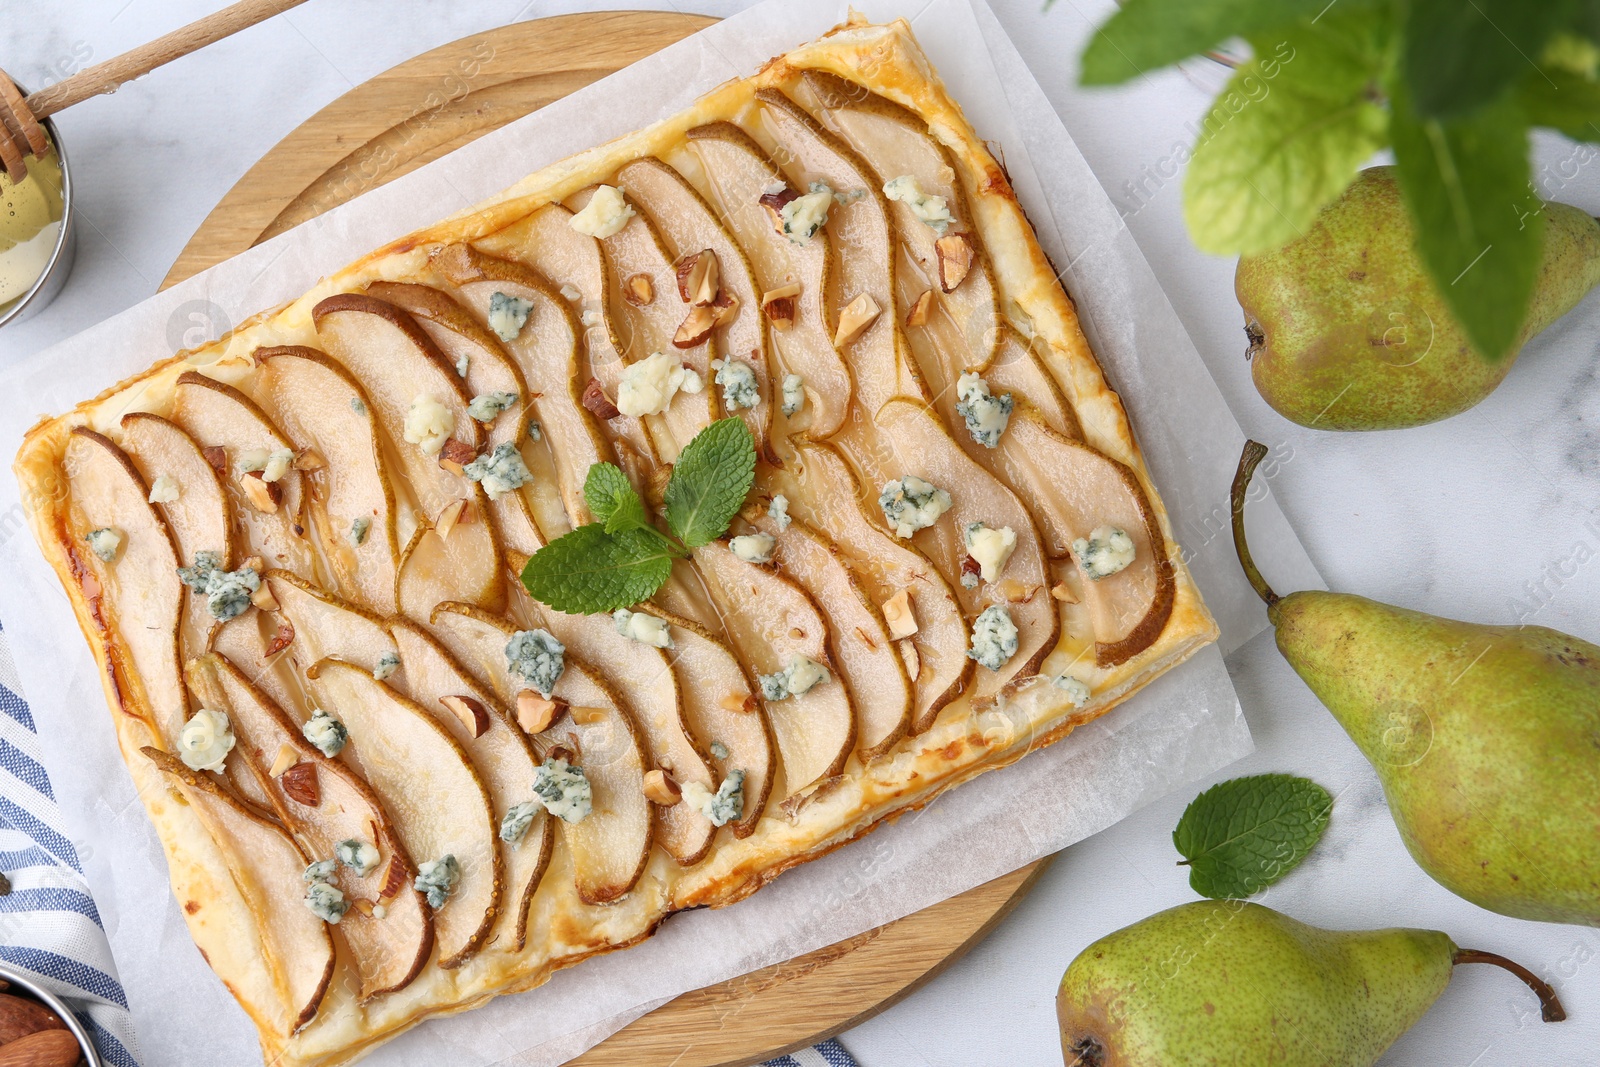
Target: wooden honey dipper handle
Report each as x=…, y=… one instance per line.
x=105, y=77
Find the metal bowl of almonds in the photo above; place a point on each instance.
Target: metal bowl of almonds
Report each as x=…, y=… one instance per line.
x=37, y=1028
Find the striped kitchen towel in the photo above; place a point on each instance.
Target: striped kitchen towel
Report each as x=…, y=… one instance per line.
x=827, y=1054
x=49, y=926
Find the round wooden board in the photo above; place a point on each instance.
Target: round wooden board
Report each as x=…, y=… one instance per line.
x=393, y=124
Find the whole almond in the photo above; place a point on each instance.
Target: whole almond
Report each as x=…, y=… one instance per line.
x=300, y=783
x=19, y=1018
x=46, y=1048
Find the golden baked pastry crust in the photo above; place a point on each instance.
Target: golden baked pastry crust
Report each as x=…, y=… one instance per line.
x=562, y=930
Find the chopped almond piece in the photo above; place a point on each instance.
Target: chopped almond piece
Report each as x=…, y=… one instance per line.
x=309, y=459
x=594, y=399
x=1063, y=592
x=282, y=639
x=774, y=203
x=394, y=879
x=263, y=495
x=456, y=513
x=300, y=784
x=588, y=716
x=955, y=260
x=724, y=309
x=639, y=290
x=699, y=277
x=473, y=715
x=696, y=328
x=737, y=702
x=287, y=757
x=918, y=315
x=1016, y=592
x=661, y=789
x=263, y=598
x=779, y=305
x=856, y=316
x=908, y=652
x=455, y=455
x=363, y=906
x=898, y=615
x=535, y=713
x=217, y=456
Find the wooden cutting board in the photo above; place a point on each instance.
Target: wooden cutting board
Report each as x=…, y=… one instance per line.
x=393, y=124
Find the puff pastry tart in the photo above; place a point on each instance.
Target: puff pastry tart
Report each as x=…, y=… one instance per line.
x=389, y=782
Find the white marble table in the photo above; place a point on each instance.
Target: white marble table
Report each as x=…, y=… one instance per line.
x=1489, y=516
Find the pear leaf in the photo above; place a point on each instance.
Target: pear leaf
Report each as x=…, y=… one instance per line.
x=1562, y=100
x=1145, y=35
x=1287, y=134
x=1242, y=835
x=1458, y=57
x=1480, y=226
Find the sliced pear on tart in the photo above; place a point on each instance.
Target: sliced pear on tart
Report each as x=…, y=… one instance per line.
x=325, y=626
x=138, y=590
x=417, y=392
x=823, y=491
x=1022, y=588
x=545, y=351
x=499, y=750
x=691, y=228
x=739, y=174
x=428, y=782
x=776, y=626
x=351, y=498
x=1018, y=369
x=642, y=677
x=663, y=325
x=197, y=517
x=611, y=845
x=859, y=642
x=266, y=866
x=323, y=802
x=720, y=709
x=218, y=416
x=503, y=403
x=1076, y=490
x=864, y=283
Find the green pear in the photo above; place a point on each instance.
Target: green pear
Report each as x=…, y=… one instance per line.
x=1486, y=738
x=1231, y=984
x=1348, y=332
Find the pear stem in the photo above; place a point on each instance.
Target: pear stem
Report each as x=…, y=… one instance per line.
x=1254, y=453
x=1550, y=1008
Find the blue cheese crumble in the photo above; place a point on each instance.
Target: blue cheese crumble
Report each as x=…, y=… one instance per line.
x=648, y=386
x=910, y=504
x=429, y=424
x=486, y=407
x=535, y=432
x=722, y=807
x=104, y=543
x=205, y=740
x=499, y=472
x=990, y=548
x=272, y=464
x=537, y=658
x=794, y=394
x=462, y=364
x=606, y=213
x=933, y=210
x=753, y=548
x=1105, y=552
x=797, y=679
x=360, y=856
x=164, y=490
x=357, y=406
x=738, y=381
x=325, y=732
x=994, y=638
x=641, y=627
x=508, y=315
x=563, y=790
x=803, y=216
x=436, y=879
x=1076, y=690
x=227, y=593
x=778, y=512
x=388, y=663
x=360, y=526
x=514, y=827
x=325, y=899
x=986, y=416
x=719, y=750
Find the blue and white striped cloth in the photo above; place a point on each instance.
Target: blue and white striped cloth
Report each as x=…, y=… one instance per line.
x=49, y=926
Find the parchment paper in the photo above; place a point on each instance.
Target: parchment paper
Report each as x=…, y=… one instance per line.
x=1184, y=726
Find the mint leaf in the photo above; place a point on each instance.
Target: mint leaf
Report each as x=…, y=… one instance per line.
x=1240, y=836
x=590, y=570
x=709, y=481
x=611, y=497
x=1145, y=35
x=1287, y=134
x=1479, y=224
x=1458, y=57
